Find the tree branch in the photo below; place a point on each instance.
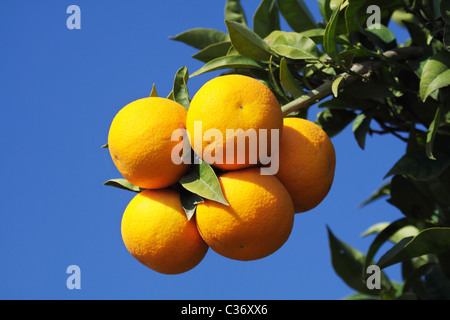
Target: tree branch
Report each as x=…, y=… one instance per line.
x=357, y=70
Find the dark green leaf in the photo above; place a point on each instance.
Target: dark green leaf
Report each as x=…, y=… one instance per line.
x=229, y=62
x=435, y=74
x=247, y=42
x=266, y=18
x=409, y=199
x=105, y=146
x=382, y=191
x=361, y=126
x=180, y=90
x=123, y=184
x=189, y=202
x=348, y=263
x=418, y=166
x=333, y=121
x=297, y=15
x=383, y=236
x=429, y=241
x=325, y=9
x=200, y=38
x=382, y=36
x=235, y=12
x=445, y=13
x=213, y=51
x=202, y=180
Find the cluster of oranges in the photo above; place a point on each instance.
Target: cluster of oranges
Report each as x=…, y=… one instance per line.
x=259, y=215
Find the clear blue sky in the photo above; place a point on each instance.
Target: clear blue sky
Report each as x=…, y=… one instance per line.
x=59, y=91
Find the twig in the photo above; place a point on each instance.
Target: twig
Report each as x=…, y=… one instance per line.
x=357, y=70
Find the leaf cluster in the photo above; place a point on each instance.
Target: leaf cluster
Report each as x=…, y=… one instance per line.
x=352, y=66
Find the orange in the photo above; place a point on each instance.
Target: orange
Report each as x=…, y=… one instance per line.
x=307, y=163
x=156, y=232
x=140, y=143
x=257, y=222
x=243, y=106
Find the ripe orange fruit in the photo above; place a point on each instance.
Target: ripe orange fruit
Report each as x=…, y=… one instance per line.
x=140, y=143
x=307, y=163
x=232, y=102
x=156, y=232
x=257, y=222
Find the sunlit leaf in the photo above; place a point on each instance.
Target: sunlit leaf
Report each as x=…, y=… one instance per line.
x=435, y=74
x=288, y=82
x=329, y=39
x=228, y=62
x=247, y=42
x=123, y=184
x=431, y=134
x=180, y=90
x=294, y=46
x=202, y=180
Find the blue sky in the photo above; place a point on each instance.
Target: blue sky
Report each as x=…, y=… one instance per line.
x=60, y=90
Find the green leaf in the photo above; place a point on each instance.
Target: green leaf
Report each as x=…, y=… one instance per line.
x=333, y=121
x=406, y=231
x=382, y=36
x=445, y=13
x=418, y=166
x=123, y=184
x=247, y=42
x=200, y=38
x=383, y=236
x=294, y=46
x=382, y=191
x=228, y=62
x=409, y=199
x=105, y=146
x=429, y=241
x=335, y=85
x=202, y=180
x=361, y=126
x=435, y=74
x=288, y=82
x=431, y=134
x=180, y=91
x=329, y=39
x=266, y=18
x=325, y=9
x=189, y=202
x=153, y=93
x=213, y=51
x=348, y=262
x=297, y=15
x=235, y=12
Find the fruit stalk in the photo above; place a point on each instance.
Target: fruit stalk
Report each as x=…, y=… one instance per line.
x=357, y=71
